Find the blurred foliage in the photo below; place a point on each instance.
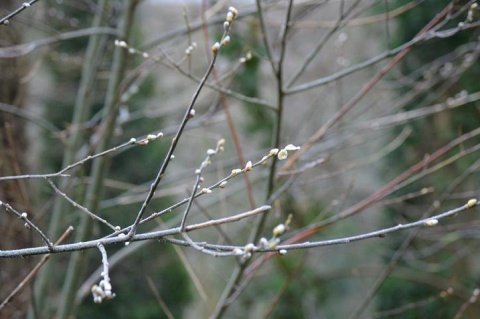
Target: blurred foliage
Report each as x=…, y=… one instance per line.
x=260, y=121
x=134, y=297
x=427, y=62
x=136, y=166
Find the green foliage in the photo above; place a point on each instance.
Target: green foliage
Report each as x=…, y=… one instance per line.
x=397, y=292
x=134, y=297
x=429, y=61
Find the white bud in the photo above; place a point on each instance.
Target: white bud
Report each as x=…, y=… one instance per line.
x=283, y=154
x=223, y=184
x=133, y=140
x=206, y=190
x=234, y=11
x=431, y=222
x=291, y=147
x=215, y=47
x=249, y=166
x=273, y=152
x=279, y=230
x=226, y=25
x=472, y=202
x=282, y=252
x=249, y=247
x=211, y=152
x=225, y=41
x=263, y=243
x=24, y=215
x=236, y=171
x=122, y=44
x=237, y=252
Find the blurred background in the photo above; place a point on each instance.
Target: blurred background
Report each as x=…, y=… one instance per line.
x=381, y=95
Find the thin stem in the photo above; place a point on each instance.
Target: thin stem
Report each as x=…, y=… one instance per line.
x=25, y=5
x=35, y=269
x=264, y=34
x=77, y=205
x=387, y=54
x=320, y=133
x=424, y=222
x=82, y=111
x=236, y=276
x=24, y=49
x=28, y=223
x=92, y=197
x=173, y=145
x=314, y=52
x=230, y=121
x=367, y=298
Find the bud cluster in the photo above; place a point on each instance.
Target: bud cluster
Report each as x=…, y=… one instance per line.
x=227, y=25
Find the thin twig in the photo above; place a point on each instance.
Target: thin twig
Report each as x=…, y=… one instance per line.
x=189, y=113
x=425, y=222
x=77, y=205
x=473, y=299
x=133, y=141
x=24, y=49
x=159, y=298
x=219, y=184
x=5, y=20
x=198, y=172
x=32, y=176
x=387, y=54
x=320, y=133
x=28, y=223
x=229, y=219
x=314, y=52
x=35, y=269
x=173, y=145
x=105, y=287
x=29, y=116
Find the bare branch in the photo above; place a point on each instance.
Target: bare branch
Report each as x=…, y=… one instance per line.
x=28, y=223
x=5, y=20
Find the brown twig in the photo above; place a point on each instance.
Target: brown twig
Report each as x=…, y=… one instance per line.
x=34, y=271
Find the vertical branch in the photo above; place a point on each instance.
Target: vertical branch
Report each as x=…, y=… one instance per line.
x=347, y=107
x=82, y=111
x=99, y=166
x=236, y=276
x=322, y=42
x=189, y=113
x=265, y=36
x=278, y=129
x=104, y=289
x=230, y=121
